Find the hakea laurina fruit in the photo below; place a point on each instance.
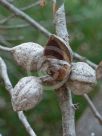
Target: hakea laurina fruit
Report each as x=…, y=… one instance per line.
x=57, y=48
x=27, y=93
x=58, y=56
x=57, y=69
x=27, y=55
x=82, y=78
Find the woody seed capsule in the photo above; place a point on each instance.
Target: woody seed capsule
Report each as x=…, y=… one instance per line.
x=27, y=93
x=27, y=55
x=82, y=78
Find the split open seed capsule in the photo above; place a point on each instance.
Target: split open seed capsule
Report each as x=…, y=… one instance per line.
x=57, y=52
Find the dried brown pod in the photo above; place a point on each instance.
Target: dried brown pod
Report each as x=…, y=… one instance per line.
x=59, y=57
x=82, y=78
x=27, y=93
x=58, y=49
x=27, y=55
x=58, y=69
x=99, y=71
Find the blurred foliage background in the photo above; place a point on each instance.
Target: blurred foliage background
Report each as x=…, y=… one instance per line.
x=84, y=21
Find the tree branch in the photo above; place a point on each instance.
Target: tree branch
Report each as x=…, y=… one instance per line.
x=23, y=9
x=24, y=16
x=24, y=121
x=4, y=42
x=30, y=6
x=88, y=125
x=2, y=48
x=93, y=108
x=9, y=38
x=84, y=59
x=67, y=110
x=64, y=94
x=8, y=85
x=19, y=26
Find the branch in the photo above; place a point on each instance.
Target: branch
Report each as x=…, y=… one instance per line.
x=30, y=6
x=93, y=108
x=8, y=85
x=23, y=9
x=4, y=39
x=14, y=26
x=5, y=19
x=24, y=121
x=66, y=105
x=36, y=25
x=4, y=42
x=2, y=48
x=84, y=59
x=88, y=121
x=11, y=1
x=24, y=16
x=64, y=94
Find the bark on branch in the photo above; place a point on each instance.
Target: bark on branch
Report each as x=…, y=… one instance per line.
x=64, y=94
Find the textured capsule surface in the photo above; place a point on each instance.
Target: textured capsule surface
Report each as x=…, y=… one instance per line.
x=82, y=78
x=27, y=93
x=27, y=55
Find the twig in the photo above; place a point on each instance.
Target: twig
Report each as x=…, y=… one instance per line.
x=4, y=42
x=30, y=6
x=24, y=16
x=93, y=108
x=36, y=25
x=4, y=20
x=5, y=38
x=67, y=111
x=8, y=85
x=5, y=48
x=11, y=1
x=14, y=26
x=23, y=9
x=81, y=58
x=4, y=75
x=24, y=121
x=64, y=94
